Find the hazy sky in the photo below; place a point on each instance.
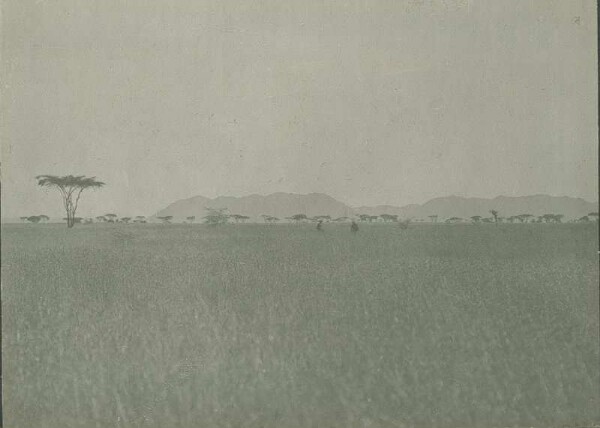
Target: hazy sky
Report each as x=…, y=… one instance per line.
x=372, y=102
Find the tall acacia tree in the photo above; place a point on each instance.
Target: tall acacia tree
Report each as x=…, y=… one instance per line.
x=70, y=187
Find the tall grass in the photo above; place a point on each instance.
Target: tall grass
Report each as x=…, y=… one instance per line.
x=283, y=326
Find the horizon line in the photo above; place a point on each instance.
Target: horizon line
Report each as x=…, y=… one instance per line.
x=387, y=204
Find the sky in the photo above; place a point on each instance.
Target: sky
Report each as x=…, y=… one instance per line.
x=372, y=102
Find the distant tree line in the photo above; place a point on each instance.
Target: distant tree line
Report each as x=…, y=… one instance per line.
x=71, y=187
x=217, y=217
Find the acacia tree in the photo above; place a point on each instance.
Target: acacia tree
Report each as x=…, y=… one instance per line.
x=389, y=217
x=299, y=217
x=494, y=214
x=525, y=218
x=270, y=218
x=238, y=217
x=216, y=217
x=70, y=187
x=166, y=219
x=34, y=219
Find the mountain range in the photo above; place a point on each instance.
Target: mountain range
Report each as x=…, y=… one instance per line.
x=282, y=205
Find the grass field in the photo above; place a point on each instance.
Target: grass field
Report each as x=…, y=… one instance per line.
x=283, y=326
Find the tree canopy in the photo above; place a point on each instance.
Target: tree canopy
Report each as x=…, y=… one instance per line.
x=166, y=219
x=70, y=188
x=216, y=216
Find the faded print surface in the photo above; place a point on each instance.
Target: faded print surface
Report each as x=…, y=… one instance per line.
x=293, y=214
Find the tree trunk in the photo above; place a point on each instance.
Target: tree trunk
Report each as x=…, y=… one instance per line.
x=70, y=217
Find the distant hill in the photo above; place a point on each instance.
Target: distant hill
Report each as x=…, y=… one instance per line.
x=455, y=206
x=283, y=205
x=279, y=205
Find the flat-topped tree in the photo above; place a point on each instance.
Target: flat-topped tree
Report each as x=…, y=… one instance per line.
x=239, y=218
x=269, y=218
x=70, y=187
x=34, y=219
x=524, y=218
x=216, y=216
x=166, y=219
x=236, y=217
x=476, y=218
x=299, y=217
x=191, y=218
x=389, y=217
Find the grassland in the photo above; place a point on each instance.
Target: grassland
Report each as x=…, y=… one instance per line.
x=283, y=326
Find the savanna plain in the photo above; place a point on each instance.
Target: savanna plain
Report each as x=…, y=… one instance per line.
x=285, y=326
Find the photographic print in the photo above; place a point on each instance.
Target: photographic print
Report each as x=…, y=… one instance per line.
x=299, y=213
